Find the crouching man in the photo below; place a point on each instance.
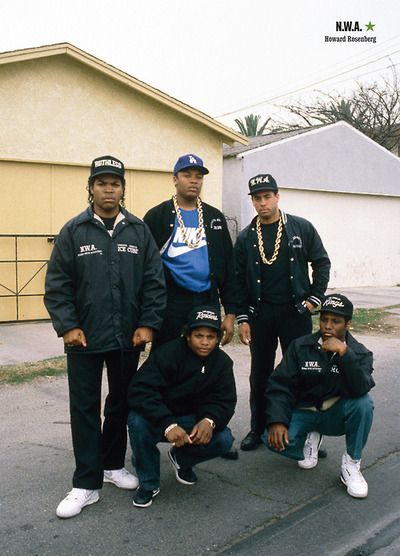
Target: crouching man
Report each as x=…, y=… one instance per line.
x=321, y=387
x=183, y=394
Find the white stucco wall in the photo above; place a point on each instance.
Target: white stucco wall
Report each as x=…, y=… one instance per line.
x=360, y=232
x=341, y=181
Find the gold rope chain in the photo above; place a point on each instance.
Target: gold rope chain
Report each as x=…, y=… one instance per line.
x=182, y=225
x=261, y=243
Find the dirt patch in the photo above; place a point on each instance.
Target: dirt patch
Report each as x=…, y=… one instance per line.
x=388, y=326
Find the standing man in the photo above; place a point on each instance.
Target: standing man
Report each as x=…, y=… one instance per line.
x=105, y=293
x=321, y=387
x=196, y=251
x=275, y=294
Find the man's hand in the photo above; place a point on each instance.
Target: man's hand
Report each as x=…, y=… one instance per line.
x=334, y=345
x=228, y=325
x=178, y=436
x=309, y=306
x=142, y=335
x=75, y=337
x=278, y=436
x=245, y=333
x=202, y=432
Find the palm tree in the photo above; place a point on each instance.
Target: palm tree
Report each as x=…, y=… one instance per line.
x=250, y=125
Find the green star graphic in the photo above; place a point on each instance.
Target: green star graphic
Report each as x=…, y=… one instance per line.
x=370, y=26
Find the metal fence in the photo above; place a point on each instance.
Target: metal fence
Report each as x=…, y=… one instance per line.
x=23, y=263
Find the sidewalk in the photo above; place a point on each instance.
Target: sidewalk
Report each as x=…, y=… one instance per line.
x=24, y=342
x=261, y=504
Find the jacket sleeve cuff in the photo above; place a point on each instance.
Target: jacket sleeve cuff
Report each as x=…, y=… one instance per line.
x=242, y=318
x=314, y=300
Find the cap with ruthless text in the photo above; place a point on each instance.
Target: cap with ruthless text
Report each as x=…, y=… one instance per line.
x=107, y=165
x=190, y=161
x=204, y=316
x=262, y=182
x=338, y=304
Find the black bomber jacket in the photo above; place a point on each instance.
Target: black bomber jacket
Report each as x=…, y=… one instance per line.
x=305, y=246
x=108, y=286
x=161, y=219
x=307, y=376
x=174, y=381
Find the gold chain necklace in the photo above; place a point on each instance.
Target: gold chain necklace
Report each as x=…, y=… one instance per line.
x=182, y=225
x=261, y=243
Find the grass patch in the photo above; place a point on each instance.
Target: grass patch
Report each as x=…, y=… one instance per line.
x=365, y=321
x=24, y=372
x=370, y=321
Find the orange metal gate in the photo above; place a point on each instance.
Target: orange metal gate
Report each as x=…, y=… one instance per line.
x=23, y=264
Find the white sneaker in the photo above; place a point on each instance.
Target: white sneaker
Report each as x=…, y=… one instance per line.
x=121, y=478
x=310, y=451
x=352, y=477
x=75, y=501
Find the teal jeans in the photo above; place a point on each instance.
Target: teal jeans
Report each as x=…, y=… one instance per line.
x=351, y=417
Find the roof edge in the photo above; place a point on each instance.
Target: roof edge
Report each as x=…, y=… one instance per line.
x=229, y=136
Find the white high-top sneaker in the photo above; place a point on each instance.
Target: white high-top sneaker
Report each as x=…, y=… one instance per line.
x=352, y=477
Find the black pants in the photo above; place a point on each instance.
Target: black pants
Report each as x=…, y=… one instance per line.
x=179, y=304
x=95, y=447
x=273, y=322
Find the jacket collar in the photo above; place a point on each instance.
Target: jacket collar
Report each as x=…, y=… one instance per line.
x=88, y=215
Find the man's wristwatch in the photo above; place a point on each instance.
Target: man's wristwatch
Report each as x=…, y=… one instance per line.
x=210, y=421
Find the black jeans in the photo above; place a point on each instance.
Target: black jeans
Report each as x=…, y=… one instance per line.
x=274, y=322
x=179, y=304
x=95, y=447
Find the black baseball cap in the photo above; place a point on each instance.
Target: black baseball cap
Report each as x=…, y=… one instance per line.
x=262, y=182
x=107, y=164
x=337, y=304
x=204, y=315
x=190, y=161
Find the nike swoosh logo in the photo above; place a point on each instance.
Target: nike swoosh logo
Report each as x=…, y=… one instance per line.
x=173, y=251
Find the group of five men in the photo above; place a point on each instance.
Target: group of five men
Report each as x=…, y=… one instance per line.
x=115, y=283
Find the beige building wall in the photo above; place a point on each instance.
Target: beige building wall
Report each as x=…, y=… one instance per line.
x=62, y=111
x=57, y=114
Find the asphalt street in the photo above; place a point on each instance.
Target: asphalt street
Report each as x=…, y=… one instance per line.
x=261, y=504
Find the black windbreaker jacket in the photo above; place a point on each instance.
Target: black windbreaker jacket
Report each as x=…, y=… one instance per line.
x=174, y=381
x=161, y=219
x=307, y=376
x=108, y=286
x=305, y=246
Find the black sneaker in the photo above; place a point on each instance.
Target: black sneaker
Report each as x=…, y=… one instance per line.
x=144, y=498
x=185, y=476
x=250, y=441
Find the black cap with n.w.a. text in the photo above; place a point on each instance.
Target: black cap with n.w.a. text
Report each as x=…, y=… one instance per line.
x=262, y=182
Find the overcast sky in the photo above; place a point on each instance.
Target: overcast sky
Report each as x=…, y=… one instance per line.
x=219, y=56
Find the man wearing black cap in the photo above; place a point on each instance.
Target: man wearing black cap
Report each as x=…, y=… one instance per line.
x=196, y=250
x=275, y=294
x=321, y=387
x=183, y=394
x=105, y=292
